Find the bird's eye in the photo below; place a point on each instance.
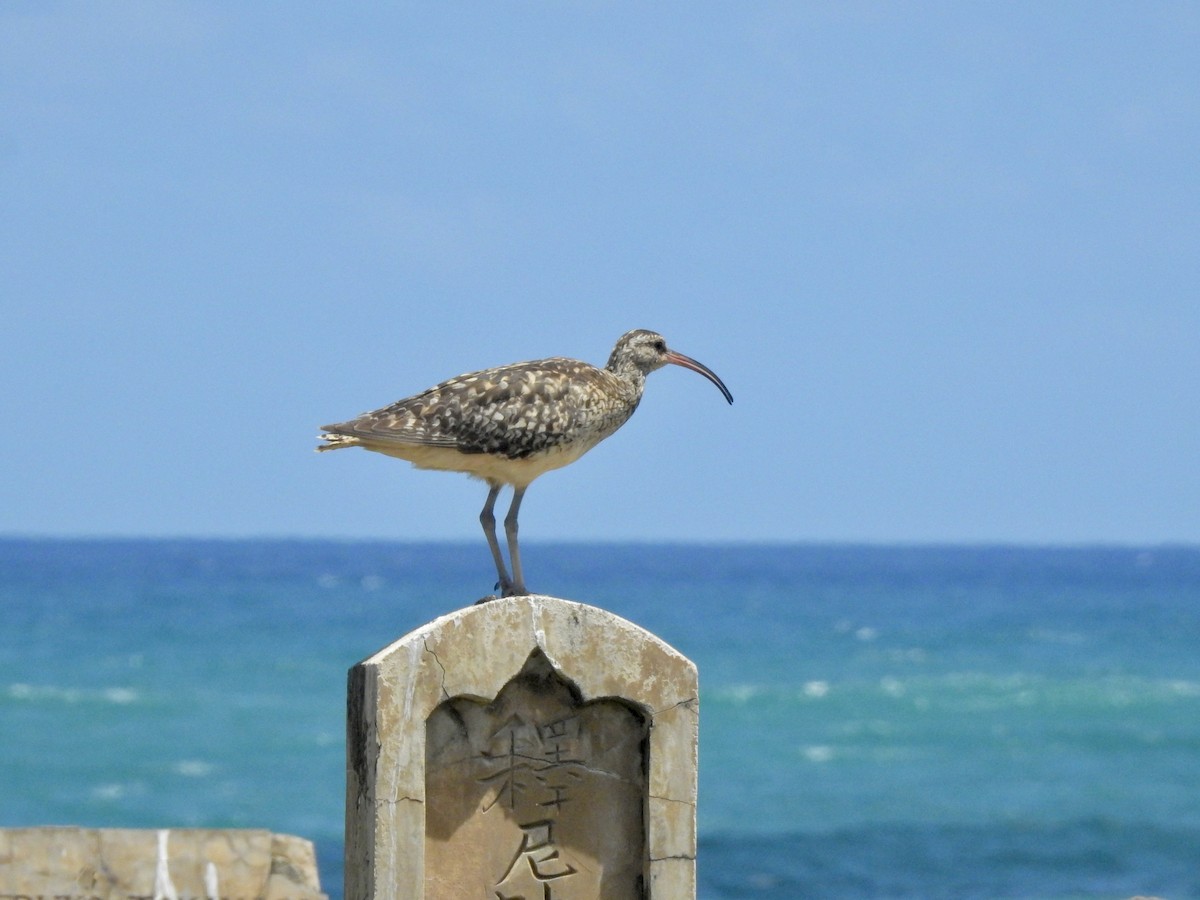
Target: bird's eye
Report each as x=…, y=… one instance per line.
x=660, y=346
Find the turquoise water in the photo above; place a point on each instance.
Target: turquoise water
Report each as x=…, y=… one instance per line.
x=875, y=721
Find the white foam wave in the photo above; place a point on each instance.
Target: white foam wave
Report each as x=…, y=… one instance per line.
x=816, y=689
x=739, y=693
x=818, y=753
x=38, y=693
x=193, y=768
x=971, y=691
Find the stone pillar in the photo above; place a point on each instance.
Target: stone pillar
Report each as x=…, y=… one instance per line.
x=528, y=747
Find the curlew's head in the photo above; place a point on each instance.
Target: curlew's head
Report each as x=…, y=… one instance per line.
x=640, y=352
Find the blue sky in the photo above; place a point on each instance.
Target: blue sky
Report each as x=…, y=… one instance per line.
x=946, y=256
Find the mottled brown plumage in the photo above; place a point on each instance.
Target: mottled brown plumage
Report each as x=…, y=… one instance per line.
x=510, y=424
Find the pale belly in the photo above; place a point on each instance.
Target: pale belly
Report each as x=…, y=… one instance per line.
x=493, y=469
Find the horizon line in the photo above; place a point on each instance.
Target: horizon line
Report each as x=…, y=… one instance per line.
x=847, y=543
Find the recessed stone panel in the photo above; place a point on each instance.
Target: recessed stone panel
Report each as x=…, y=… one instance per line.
x=536, y=791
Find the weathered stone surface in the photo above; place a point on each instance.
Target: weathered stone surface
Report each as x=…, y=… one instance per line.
x=139, y=864
x=522, y=746
x=535, y=788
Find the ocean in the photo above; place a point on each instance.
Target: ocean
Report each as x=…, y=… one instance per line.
x=876, y=722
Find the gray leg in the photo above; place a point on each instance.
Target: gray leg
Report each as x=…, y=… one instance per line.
x=488, y=520
x=514, y=552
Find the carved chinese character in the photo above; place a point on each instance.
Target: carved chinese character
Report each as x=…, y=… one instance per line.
x=535, y=795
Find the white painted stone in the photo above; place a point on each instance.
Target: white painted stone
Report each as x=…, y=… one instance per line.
x=617, y=781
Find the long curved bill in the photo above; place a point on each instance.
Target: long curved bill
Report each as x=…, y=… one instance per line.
x=688, y=363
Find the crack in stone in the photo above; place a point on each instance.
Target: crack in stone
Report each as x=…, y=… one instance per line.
x=672, y=800
x=689, y=703
x=399, y=800
x=684, y=856
x=445, y=693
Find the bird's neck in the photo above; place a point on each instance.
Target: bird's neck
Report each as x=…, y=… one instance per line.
x=633, y=377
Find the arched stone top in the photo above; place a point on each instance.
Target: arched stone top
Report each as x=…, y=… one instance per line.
x=603, y=654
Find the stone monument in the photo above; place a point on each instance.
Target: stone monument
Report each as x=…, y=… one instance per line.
x=528, y=748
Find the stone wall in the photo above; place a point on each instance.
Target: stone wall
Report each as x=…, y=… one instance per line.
x=67, y=863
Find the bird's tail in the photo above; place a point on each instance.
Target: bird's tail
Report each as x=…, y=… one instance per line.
x=334, y=441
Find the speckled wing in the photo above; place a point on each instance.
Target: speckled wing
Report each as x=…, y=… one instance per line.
x=513, y=411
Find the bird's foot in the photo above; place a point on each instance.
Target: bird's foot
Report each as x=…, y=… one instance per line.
x=502, y=588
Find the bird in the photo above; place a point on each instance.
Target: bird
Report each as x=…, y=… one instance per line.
x=510, y=424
